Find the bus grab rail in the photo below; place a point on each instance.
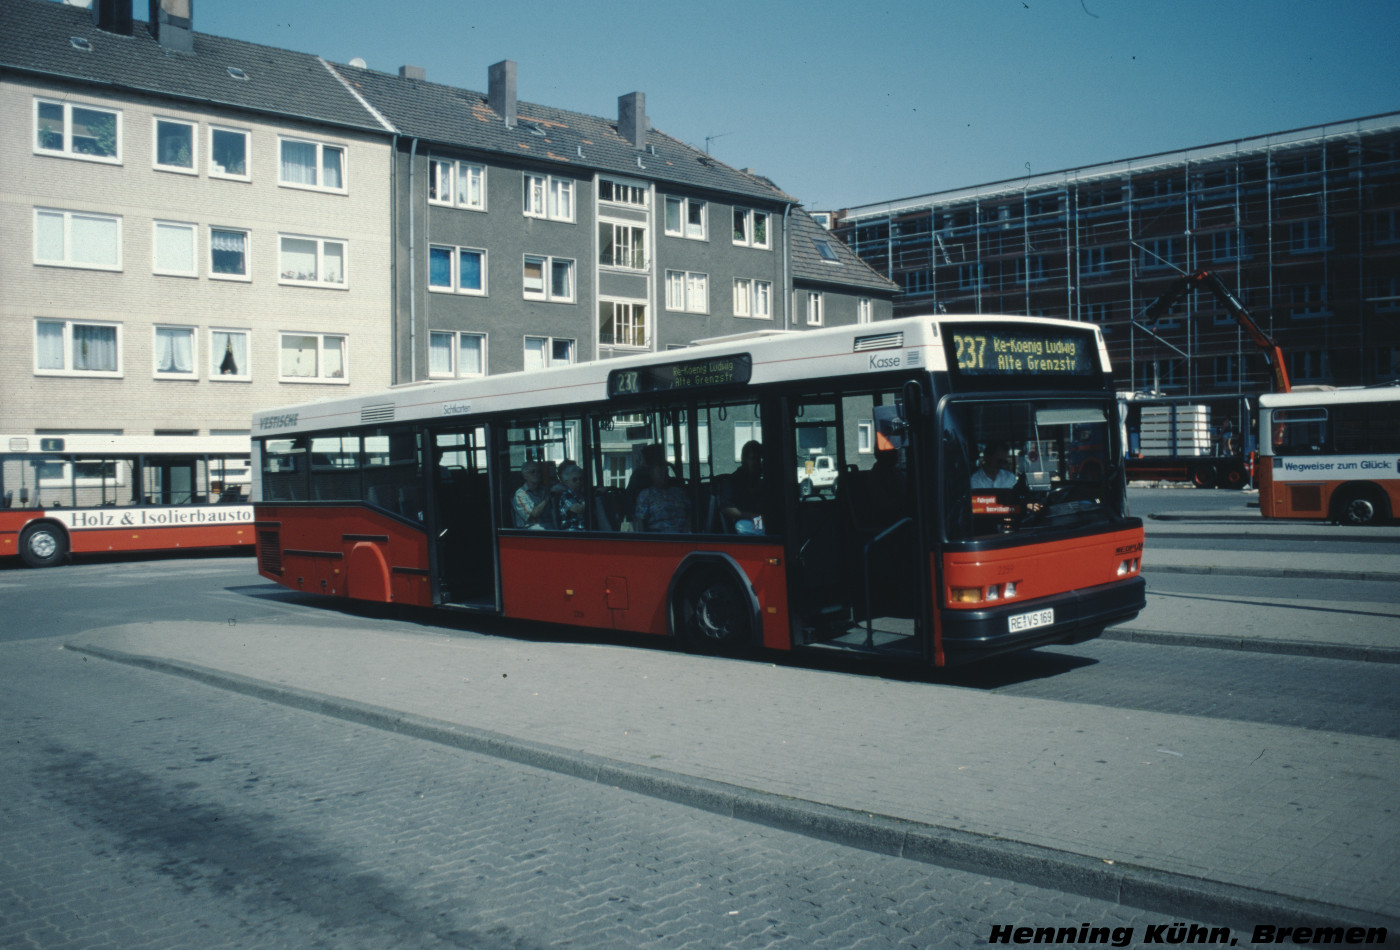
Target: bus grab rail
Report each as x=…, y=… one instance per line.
x=865, y=569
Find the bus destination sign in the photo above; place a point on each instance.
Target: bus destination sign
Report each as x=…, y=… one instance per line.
x=691, y=374
x=1012, y=351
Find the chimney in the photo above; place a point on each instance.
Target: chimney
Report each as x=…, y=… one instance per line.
x=114, y=16
x=172, y=24
x=413, y=72
x=632, y=118
x=501, y=91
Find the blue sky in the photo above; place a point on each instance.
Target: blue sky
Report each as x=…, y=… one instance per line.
x=846, y=103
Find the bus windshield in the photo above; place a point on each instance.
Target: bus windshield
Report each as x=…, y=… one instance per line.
x=1028, y=465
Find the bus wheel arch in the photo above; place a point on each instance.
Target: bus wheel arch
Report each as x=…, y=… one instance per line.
x=1360, y=505
x=43, y=544
x=713, y=608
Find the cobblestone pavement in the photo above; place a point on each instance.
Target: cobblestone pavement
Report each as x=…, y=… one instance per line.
x=141, y=810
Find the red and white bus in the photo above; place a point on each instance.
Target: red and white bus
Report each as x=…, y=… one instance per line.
x=623, y=494
x=87, y=494
x=1332, y=454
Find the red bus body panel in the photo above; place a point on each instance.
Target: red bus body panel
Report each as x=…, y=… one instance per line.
x=622, y=583
x=350, y=551
x=1044, y=569
x=126, y=530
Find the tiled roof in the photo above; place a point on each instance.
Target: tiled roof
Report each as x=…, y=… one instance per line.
x=810, y=266
x=447, y=116
x=35, y=38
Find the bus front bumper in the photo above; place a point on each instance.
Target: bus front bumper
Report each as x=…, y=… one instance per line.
x=969, y=635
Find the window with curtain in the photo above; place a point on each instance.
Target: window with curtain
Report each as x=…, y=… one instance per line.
x=228, y=253
x=66, y=346
x=174, y=351
x=228, y=354
x=174, y=251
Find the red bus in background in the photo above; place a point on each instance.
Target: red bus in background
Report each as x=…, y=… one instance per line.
x=671, y=493
x=1330, y=454
x=88, y=494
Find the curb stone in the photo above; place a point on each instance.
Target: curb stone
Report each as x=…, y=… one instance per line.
x=1141, y=887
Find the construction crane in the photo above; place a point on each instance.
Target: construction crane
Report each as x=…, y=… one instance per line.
x=1268, y=347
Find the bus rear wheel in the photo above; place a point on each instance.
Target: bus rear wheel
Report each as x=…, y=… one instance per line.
x=1203, y=476
x=714, y=613
x=1359, y=507
x=42, y=545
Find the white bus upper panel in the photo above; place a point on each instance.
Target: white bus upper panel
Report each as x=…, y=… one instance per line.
x=908, y=343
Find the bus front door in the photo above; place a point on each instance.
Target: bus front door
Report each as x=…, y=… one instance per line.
x=854, y=541
x=462, y=529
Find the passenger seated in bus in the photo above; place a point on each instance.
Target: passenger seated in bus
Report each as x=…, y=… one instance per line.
x=531, y=505
x=641, y=478
x=995, y=471
x=663, y=505
x=570, y=504
x=741, y=494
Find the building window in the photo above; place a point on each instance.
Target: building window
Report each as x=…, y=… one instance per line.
x=1308, y=300
x=452, y=354
x=826, y=250
x=864, y=310
x=814, y=308
x=622, y=193
x=311, y=261
x=1308, y=237
x=175, y=145
x=1096, y=312
x=542, y=352
x=460, y=184
x=228, y=355
x=1030, y=270
x=459, y=270
x=753, y=298
x=228, y=254
x=1385, y=227
x=1160, y=254
x=1226, y=370
x=1093, y=262
x=73, y=348
x=174, y=352
x=865, y=437
x=77, y=239
x=622, y=245
x=687, y=291
x=687, y=218
x=312, y=165
x=228, y=154
x=623, y=324
x=77, y=131
x=549, y=278
x=750, y=228
x=549, y=197
x=1311, y=366
x=175, y=249
x=308, y=357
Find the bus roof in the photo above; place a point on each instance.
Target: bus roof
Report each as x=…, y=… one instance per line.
x=90, y=444
x=1331, y=397
x=907, y=343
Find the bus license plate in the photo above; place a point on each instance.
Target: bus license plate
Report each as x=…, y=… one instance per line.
x=1036, y=618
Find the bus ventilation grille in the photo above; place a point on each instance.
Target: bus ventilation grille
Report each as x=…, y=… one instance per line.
x=270, y=551
x=885, y=341
x=370, y=414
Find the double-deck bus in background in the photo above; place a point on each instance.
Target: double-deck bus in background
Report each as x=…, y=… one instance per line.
x=87, y=494
x=465, y=494
x=1330, y=454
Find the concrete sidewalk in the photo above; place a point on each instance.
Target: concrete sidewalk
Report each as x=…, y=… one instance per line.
x=1231, y=822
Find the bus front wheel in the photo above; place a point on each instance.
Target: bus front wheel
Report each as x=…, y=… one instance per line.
x=1359, y=507
x=715, y=615
x=42, y=545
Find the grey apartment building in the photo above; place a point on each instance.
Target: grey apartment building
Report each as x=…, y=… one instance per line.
x=193, y=227
x=1304, y=227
